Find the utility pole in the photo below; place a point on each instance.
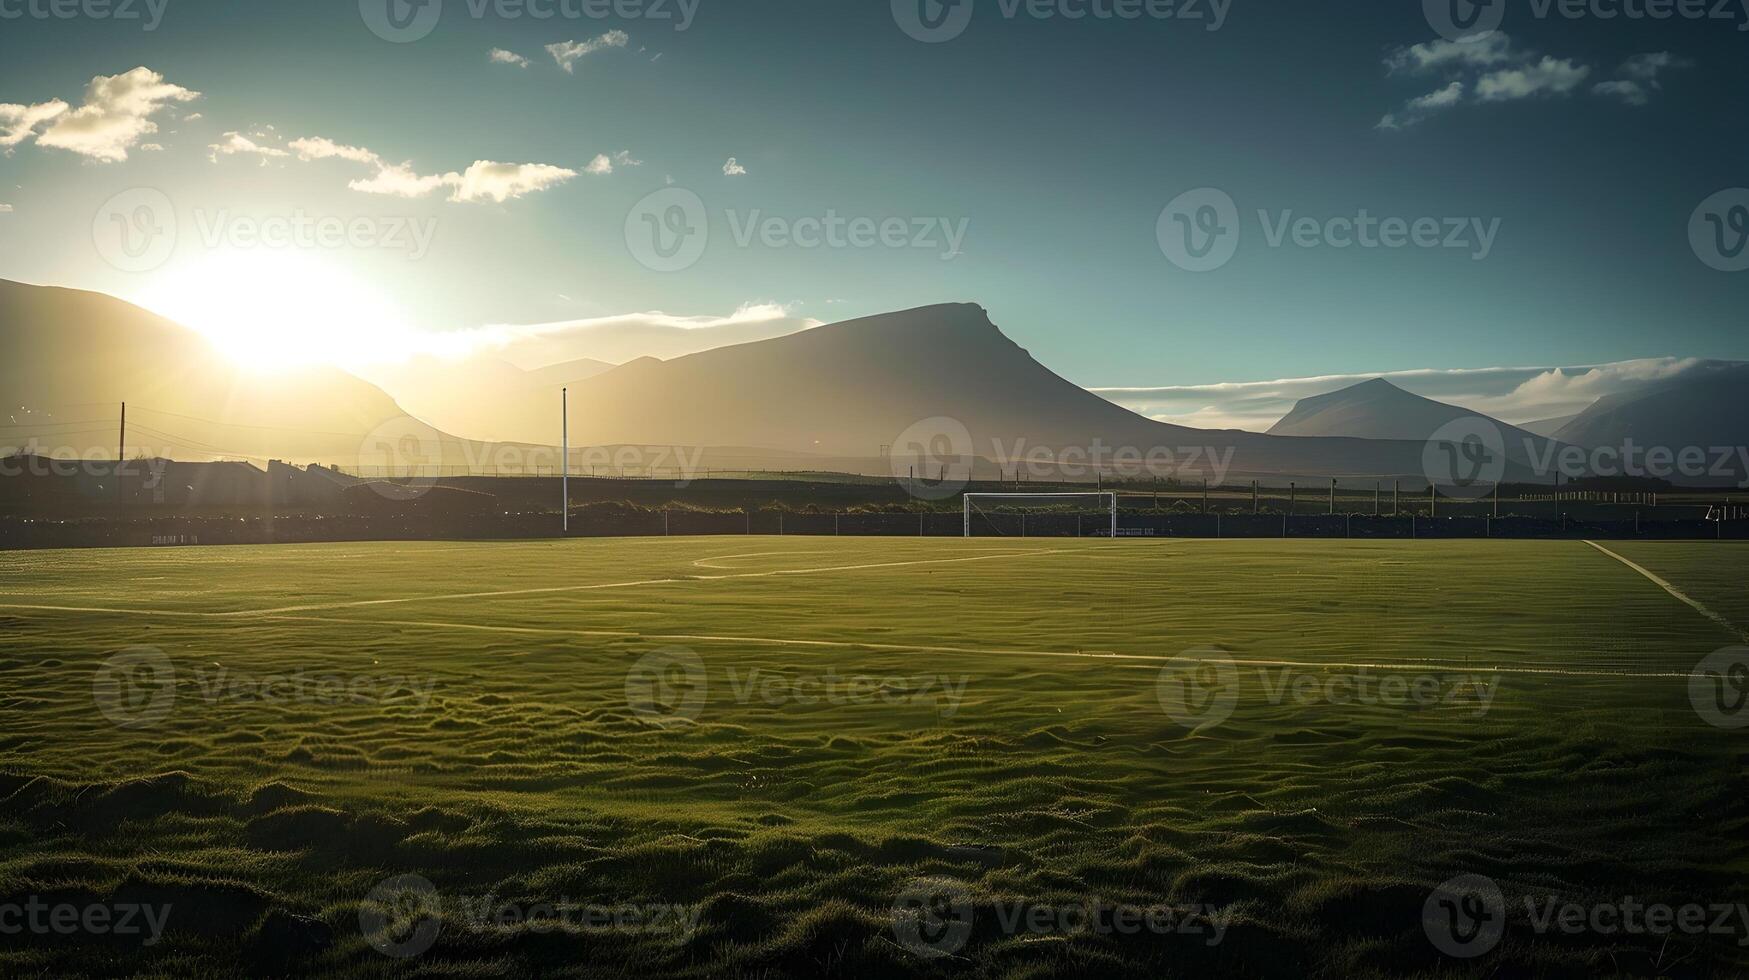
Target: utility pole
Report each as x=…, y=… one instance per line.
x=565, y=459
x=121, y=454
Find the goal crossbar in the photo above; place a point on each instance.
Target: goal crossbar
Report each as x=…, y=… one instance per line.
x=1108, y=498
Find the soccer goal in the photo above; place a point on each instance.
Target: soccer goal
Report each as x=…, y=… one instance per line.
x=1051, y=504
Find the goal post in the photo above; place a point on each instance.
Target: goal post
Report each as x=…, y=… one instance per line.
x=1106, y=499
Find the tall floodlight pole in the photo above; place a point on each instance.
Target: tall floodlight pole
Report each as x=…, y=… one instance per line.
x=565, y=458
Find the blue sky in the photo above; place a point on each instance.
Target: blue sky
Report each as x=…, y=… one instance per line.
x=1053, y=143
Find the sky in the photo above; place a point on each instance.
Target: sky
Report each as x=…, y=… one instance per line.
x=427, y=174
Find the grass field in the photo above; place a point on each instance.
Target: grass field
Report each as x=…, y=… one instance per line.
x=761, y=756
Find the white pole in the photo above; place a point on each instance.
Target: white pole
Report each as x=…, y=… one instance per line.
x=565, y=454
x=1114, y=515
x=967, y=505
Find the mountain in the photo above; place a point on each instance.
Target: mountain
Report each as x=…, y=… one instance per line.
x=503, y=402
x=1376, y=409
x=1705, y=408
x=847, y=389
x=72, y=357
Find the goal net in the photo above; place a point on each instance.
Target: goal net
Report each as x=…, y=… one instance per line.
x=1041, y=514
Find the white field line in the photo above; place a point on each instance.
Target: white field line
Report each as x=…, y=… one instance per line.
x=1675, y=593
x=710, y=562
x=548, y=590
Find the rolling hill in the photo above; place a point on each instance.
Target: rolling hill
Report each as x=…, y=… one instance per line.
x=848, y=389
x=1704, y=408
x=1378, y=409
x=72, y=357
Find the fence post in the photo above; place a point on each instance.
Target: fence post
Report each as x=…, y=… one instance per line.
x=835, y=524
x=1332, y=495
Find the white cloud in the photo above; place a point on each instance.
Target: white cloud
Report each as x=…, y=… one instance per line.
x=733, y=169
x=616, y=339
x=1647, y=67
x=499, y=182
x=1449, y=96
x=1549, y=76
x=567, y=53
x=499, y=56
x=19, y=122
x=321, y=148
x=5, y=209
x=232, y=144
x=1516, y=395
x=604, y=164
x=116, y=114
x=1637, y=78
x=399, y=180
x=1494, y=49
x=1631, y=92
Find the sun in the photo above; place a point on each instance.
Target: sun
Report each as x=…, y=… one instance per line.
x=274, y=310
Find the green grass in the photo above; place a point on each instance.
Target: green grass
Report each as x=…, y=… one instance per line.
x=502, y=754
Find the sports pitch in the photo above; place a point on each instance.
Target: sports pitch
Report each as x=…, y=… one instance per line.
x=840, y=756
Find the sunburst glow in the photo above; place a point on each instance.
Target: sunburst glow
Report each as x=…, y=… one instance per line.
x=277, y=310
